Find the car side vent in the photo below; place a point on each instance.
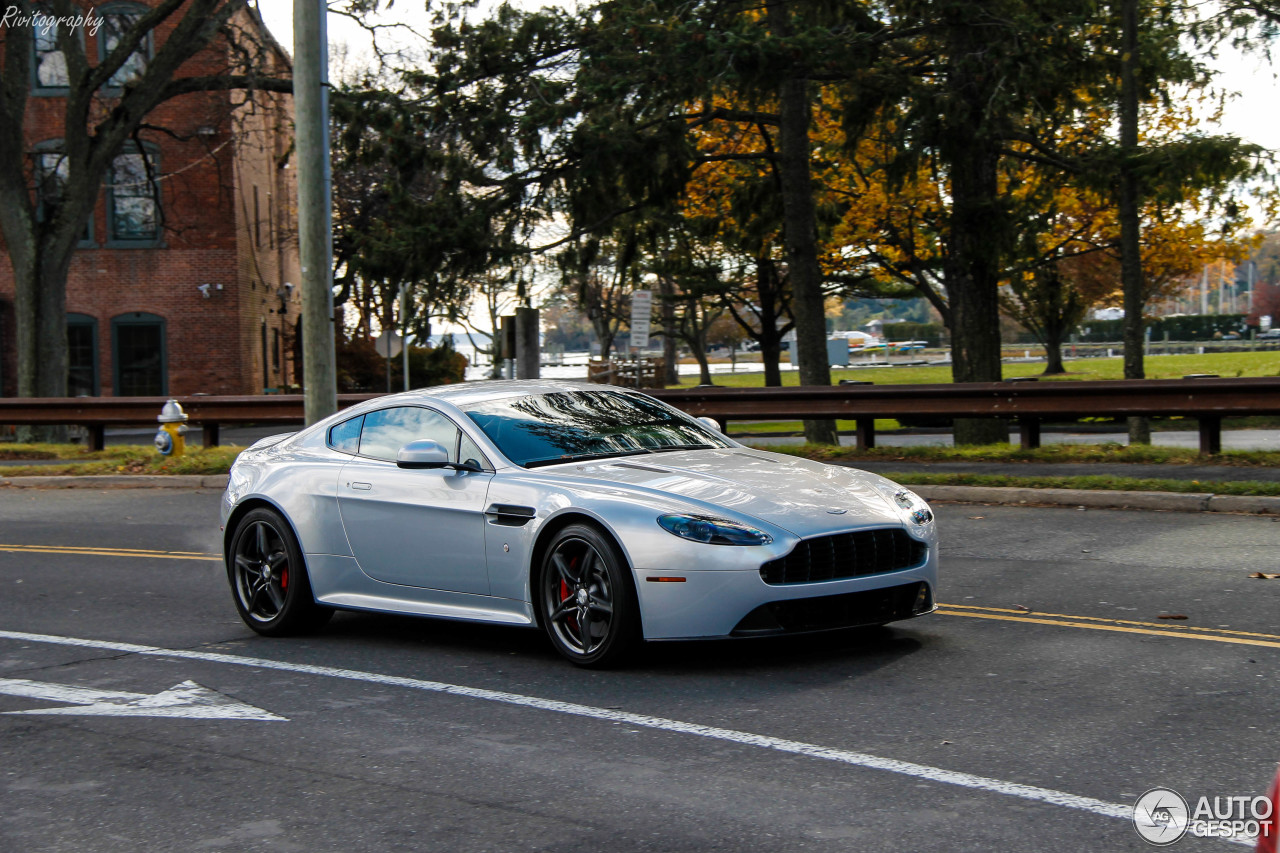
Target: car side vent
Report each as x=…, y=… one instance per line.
x=510, y=515
x=846, y=555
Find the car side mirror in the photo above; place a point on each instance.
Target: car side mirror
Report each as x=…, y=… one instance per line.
x=423, y=453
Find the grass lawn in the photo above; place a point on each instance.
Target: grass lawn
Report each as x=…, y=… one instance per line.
x=1226, y=364
x=116, y=459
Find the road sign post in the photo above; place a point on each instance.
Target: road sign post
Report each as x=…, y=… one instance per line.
x=641, y=311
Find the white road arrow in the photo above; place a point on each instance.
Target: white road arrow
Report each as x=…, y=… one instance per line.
x=187, y=700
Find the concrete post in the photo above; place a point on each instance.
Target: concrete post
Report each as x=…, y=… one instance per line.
x=528, y=348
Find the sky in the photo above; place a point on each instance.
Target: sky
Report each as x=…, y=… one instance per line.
x=1253, y=114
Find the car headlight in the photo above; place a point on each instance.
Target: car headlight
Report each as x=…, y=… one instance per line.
x=713, y=531
x=913, y=506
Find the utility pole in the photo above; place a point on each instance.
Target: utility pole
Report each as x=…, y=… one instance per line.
x=315, y=226
x=404, y=331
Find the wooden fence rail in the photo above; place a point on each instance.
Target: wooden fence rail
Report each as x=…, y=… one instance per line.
x=1208, y=400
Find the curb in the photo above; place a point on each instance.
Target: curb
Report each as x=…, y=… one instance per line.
x=1008, y=496
x=1160, y=501
x=119, y=481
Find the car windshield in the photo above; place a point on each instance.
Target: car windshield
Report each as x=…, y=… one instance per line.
x=565, y=426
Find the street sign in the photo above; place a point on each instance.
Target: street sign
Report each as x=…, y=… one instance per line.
x=641, y=308
x=187, y=700
x=387, y=344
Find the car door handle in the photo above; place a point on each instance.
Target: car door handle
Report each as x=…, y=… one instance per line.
x=363, y=486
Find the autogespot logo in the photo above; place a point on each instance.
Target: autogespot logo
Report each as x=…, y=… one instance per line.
x=1161, y=816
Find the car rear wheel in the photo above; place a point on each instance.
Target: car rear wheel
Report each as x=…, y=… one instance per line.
x=585, y=598
x=269, y=579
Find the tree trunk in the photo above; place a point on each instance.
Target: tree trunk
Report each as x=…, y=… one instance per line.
x=1053, y=365
x=771, y=354
x=972, y=261
x=704, y=367
x=1129, y=205
x=801, y=233
x=769, y=293
x=51, y=324
x=1058, y=316
x=26, y=289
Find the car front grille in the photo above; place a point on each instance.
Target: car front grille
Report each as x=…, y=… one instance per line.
x=829, y=612
x=846, y=555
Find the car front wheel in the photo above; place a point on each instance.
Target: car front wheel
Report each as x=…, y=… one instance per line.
x=269, y=579
x=585, y=598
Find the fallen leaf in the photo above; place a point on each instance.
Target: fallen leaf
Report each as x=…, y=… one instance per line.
x=1172, y=616
x=1023, y=609
x=946, y=743
x=1264, y=576
x=976, y=517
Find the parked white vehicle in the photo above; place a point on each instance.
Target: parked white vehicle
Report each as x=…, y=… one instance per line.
x=598, y=514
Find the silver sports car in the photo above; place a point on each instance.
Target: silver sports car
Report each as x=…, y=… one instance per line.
x=598, y=514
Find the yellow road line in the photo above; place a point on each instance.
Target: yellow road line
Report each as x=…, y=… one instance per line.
x=108, y=552
x=1106, y=619
x=1154, y=630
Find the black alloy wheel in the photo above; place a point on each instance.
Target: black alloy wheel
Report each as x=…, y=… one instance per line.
x=586, y=601
x=269, y=579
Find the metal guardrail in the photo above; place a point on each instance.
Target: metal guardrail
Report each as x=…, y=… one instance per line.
x=98, y=413
x=1208, y=400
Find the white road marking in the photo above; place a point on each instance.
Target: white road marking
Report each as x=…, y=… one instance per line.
x=857, y=759
x=187, y=700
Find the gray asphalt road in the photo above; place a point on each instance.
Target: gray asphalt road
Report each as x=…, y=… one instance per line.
x=1047, y=667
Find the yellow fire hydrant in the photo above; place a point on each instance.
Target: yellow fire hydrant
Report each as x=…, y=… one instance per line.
x=171, y=439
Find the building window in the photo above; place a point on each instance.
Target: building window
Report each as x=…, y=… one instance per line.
x=82, y=356
x=118, y=20
x=138, y=353
x=48, y=65
x=133, y=197
x=51, y=171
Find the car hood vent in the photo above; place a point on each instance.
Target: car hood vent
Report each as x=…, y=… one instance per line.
x=634, y=467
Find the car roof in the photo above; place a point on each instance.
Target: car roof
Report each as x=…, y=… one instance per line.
x=467, y=393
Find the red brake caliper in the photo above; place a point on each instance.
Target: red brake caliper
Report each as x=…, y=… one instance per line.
x=564, y=596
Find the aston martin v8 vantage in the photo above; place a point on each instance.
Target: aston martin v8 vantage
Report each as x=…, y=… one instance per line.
x=597, y=514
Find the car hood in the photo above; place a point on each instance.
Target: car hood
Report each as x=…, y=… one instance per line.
x=799, y=495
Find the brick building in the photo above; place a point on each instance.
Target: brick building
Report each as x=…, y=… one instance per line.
x=185, y=279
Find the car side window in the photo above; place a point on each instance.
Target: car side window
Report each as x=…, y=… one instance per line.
x=468, y=450
x=345, y=436
x=387, y=430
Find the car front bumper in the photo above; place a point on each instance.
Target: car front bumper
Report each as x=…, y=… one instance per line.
x=738, y=603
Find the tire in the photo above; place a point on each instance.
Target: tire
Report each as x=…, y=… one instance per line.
x=585, y=598
x=268, y=577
